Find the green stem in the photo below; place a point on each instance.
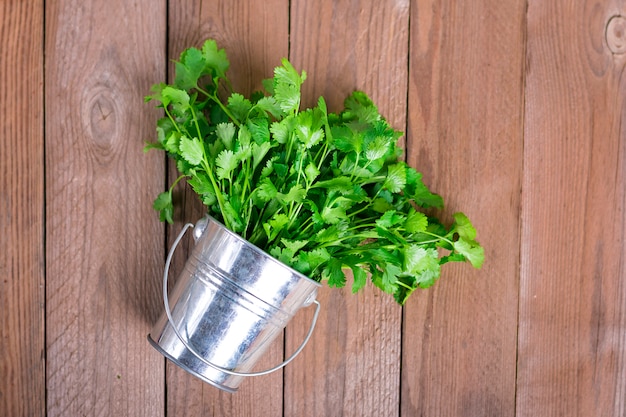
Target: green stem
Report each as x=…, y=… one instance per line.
x=218, y=193
x=176, y=182
x=195, y=121
x=438, y=237
x=219, y=103
x=172, y=120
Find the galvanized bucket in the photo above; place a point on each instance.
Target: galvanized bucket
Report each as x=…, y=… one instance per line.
x=229, y=303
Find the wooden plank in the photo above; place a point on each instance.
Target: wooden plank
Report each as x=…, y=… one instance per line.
x=255, y=36
x=572, y=338
x=104, y=245
x=22, y=385
x=465, y=135
x=351, y=366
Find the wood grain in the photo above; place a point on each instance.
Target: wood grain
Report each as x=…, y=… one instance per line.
x=22, y=366
x=514, y=113
x=572, y=338
x=103, y=243
x=351, y=366
x=255, y=36
x=465, y=135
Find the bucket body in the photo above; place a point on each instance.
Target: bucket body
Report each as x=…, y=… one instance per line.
x=229, y=303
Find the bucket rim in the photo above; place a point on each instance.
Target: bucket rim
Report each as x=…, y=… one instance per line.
x=259, y=250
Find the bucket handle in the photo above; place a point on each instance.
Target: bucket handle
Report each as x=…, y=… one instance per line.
x=193, y=351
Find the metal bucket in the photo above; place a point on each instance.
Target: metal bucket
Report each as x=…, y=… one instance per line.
x=229, y=303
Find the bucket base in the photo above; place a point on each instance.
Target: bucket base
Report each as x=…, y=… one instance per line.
x=186, y=368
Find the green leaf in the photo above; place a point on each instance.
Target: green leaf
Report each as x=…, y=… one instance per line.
x=311, y=260
x=359, y=105
x=294, y=245
x=231, y=217
x=152, y=145
x=157, y=96
x=295, y=195
x=189, y=68
x=281, y=170
x=309, y=127
x=287, y=84
x=172, y=142
x=472, y=250
x=239, y=106
x=271, y=106
x=259, y=129
x=275, y=225
x=418, y=192
x=390, y=219
x=163, y=204
x=281, y=131
x=311, y=172
x=360, y=278
x=226, y=162
x=266, y=190
x=416, y=222
x=201, y=184
x=334, y=273
x=463, y=226
x=326, y=235
x=390, y=278
x=336, y=212
x=377, y=149
x=268, y=168
x=191, y=150
x=396, y=178
x=381, y=205
x=418, y=259
x=179, y=99
x=215, y=58
x=342, y=184
x=347, y=141
x=226, y=133
x=427, y=278
x=259, y=152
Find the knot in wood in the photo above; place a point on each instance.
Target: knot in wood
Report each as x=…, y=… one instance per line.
x=102, y=120
x=616, y=34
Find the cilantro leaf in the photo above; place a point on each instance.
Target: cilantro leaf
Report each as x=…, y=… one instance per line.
x=396, y=178
x=474, y=253
x=239, y=106
x=360, y=278
x=359, y=106
x=226, y=162
x=464, y=227
x=270, y=105
x=418, y=260
x=377, y=148
x=189, y=68
x=163, y=204
x=286, y=88
x=390, y=219
x=215, y=58
x=226, y=133
x=416, y=222
x=191, y=150
x=418, y=191
x=311, y=172
x=334, y=273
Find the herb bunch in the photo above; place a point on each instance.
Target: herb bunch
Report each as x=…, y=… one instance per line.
x=324, y=193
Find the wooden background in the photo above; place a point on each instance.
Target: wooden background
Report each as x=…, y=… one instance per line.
x=514, y=110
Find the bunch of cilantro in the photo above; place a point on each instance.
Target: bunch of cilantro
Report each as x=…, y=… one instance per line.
x=324, y=193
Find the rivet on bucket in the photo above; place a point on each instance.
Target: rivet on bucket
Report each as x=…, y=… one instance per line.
x=229, y=303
